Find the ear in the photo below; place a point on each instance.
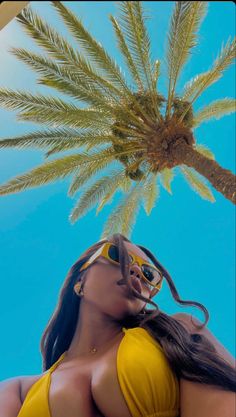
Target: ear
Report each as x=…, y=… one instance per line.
x=79, y=284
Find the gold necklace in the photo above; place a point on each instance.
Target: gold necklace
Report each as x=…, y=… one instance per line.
x=94, y=350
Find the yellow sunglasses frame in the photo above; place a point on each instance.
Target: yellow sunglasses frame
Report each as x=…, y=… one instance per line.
x=103, y=251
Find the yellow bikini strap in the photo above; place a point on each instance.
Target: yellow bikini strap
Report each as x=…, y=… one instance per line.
x=57, y=362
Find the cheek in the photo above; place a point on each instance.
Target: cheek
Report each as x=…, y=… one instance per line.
x=100, y=289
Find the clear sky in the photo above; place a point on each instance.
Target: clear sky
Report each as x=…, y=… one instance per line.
x=193, y=238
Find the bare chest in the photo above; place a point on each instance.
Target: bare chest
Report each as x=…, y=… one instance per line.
x=89, y=389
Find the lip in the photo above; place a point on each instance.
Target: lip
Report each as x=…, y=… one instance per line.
x=135, y=284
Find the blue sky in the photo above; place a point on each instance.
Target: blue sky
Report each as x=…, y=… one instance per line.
x=192, y=237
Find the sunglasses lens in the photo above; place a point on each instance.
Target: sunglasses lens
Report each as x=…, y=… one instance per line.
x=151, y=274
x=113, y=253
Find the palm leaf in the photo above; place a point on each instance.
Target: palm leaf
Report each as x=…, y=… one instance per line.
x=56, y=139
x=58, y=48
x=204, y=151
x=132, y=25
x=53, y=170
x=185, y=22
x=87, y=172
x=156, y=72
x=94, y=193
x=123, y=217
x=43, y=174
x=106, y=199
x=166, y=177
x=126, y=53
x=124, y=184
x=197, y=183
x=51, y=110
x=64, y=80
x=216, y=110
x=134, y=33
x=150, y=192
x=96, y=52
x=195, y=87
x=90, y=141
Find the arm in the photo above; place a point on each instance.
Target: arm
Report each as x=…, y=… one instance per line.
x=185, y=319
x=10, y=400
x=202, y=400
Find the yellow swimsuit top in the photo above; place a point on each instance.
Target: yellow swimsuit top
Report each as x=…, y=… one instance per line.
x=148, y=385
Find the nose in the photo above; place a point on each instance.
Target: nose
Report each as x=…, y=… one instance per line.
x=135, y=273
x=135, y=270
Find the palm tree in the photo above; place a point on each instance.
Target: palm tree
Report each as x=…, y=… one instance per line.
x=144, y=133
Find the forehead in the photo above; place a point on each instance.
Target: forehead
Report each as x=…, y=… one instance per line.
x=136, y=250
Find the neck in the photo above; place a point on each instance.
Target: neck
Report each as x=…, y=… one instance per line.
x=95, y=332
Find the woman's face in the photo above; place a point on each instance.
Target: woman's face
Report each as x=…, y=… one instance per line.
x=102, y=291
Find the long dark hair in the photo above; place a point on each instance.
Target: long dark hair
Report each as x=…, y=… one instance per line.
x=191, y=356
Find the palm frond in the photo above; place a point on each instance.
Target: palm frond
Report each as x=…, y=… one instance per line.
x=55, y=169
x=96, y=52
x=124, y=184
x=156, y=72
x=166, y=177
x=89, y=141
x=195, y=87
x=150, y=192
x=58, y=48
x=95, y=193
x=214, y=110
x=204, y=151
x=131, y=20
x=56, y=139
x=92, y=168
x=64, y=80
x=86, y=172
x=185, y=22
x=123, y=217
x=197, y=183
x=133, y=31
x=126, y=53
x=44, y=174
x=77, y=118
x=107, y=198
x=51, y=110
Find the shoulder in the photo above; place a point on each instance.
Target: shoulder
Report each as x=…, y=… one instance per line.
x=26, y=383
x=10, y=402
x=186, y=320
x=203, y=400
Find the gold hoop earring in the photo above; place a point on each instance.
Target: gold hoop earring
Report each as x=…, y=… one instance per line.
x=78, y=289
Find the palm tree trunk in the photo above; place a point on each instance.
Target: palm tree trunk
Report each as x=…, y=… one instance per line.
x=222, y=179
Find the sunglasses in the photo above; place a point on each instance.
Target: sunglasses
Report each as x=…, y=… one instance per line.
x=150, y=273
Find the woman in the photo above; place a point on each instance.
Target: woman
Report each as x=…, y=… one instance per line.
x=106, y=354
